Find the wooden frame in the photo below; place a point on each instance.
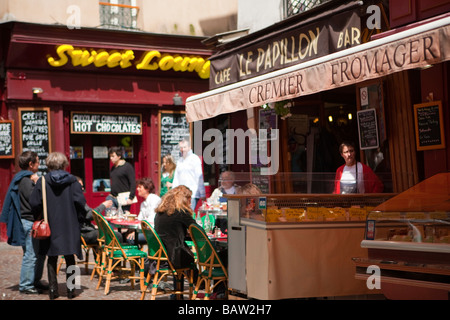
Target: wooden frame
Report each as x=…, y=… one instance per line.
x=49, y=135
x=160, y=113
x=429, y=120
x=13, y=154
x=363, y=131
x=105, y=132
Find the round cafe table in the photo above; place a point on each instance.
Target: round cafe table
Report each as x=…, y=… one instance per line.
x=120, y=224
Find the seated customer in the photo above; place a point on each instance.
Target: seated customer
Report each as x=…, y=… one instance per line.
x=146, y=190
x=172, y=220
x=227, y=186
x=89, y=232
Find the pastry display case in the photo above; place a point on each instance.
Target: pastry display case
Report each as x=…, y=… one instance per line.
x=281, y=246
x=408, y=241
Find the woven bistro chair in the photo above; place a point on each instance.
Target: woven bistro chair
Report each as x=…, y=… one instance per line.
x=158, y=253
x=87, y=248
x=210, y=266
x=115, y=257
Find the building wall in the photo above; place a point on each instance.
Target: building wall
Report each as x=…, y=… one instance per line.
x=194, y=17
x=259, y=14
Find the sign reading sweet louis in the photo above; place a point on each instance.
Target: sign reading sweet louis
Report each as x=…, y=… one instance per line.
x=105, y=123
x=148, y=60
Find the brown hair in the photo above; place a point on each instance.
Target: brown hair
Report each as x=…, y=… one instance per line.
x=147, y=183
x=176, y=199
x=170, y=167
x=117, y=150
x=26, y=157
x=249, y=188
x=346, y=144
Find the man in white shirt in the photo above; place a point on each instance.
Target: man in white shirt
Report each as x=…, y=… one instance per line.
x=227, y=186
x=189, y=172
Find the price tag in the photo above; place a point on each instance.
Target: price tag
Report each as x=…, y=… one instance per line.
x=262, y=203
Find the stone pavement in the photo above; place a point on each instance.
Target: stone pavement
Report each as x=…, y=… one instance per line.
x=10, y=264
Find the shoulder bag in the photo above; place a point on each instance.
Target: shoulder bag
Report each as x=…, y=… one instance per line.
x=41, y=229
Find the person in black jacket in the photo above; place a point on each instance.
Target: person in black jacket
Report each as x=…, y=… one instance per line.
x=122, y=177
x=172, y=220
x=65, y=201
x=17, y=215
x=89, y=232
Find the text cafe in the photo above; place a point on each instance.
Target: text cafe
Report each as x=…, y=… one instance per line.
x=82, y=91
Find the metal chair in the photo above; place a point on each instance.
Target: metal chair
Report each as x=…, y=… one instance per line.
x=158, y=253
x=211, y=267
x=115, y=256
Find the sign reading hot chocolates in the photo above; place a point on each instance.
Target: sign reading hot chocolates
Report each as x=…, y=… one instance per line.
x=105, y=123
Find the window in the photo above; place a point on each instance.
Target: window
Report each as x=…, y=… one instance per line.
x=118, y=14
x=298, y=6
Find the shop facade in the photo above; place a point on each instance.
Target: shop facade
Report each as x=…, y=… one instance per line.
x=333, y=71
x=386, y=90
x=82, y=91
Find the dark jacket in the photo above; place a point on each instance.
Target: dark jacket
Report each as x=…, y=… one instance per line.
x=65, y=201
x=173, y=230
x=11, y=211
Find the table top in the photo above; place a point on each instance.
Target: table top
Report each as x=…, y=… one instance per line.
x=214, y=212
x=122, y=223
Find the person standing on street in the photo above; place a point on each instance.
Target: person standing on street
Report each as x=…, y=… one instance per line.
x=189, y=173
x=16, y=213
x=65, y=202
x=122, y=178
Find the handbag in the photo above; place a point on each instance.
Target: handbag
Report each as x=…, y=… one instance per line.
x=41, y=229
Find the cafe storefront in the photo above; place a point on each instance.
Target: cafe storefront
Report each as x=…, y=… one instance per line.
x=292, y=240
x=331, y=78
x=82, y=91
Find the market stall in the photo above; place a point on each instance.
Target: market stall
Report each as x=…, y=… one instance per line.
x=297, y=245
x=408, y=239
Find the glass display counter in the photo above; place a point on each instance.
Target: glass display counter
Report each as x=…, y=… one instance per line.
x=408, y=240
x=284, y=246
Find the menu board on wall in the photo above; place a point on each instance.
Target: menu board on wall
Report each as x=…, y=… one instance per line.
x=429, y=126
x=35, y=132
x=173, y=128
x=6, y=139
x=368, y=129
x=105, y=123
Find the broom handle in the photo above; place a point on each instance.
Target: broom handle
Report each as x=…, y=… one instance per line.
x=44, y=199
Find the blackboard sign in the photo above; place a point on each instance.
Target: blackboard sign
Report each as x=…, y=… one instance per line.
x=429, y=126
x=368, y=129
x=35, y=132
x=105, y=123
x=6, y=139
x=173, y=128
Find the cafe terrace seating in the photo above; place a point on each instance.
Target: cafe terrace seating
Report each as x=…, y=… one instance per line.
x=210, y=266
x=87, y=248
x=158, y=253
x=115, y=257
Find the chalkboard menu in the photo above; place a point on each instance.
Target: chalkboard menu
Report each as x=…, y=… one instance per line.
x=105, y=123
x=173, y=128
x=429, y=126
x=368, y=129
x=6, y=139
x=35, y=132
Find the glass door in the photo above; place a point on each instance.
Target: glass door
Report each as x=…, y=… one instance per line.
x=89, y=159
